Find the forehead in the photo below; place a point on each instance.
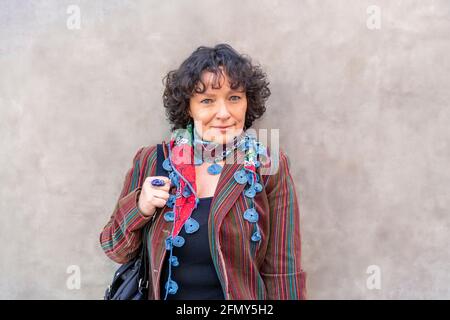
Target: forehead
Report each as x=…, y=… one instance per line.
x=214, y=81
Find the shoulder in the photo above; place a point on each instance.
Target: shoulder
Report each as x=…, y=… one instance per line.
x=275, y=166
x=145, y=157
x=275, y=160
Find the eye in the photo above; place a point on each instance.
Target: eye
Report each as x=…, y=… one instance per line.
x=205, y=100
x=238, y=98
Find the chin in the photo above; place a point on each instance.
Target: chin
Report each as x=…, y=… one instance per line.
x=224, y=137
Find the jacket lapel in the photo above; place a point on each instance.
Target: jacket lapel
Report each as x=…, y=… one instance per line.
x=226, y=194
x=227, y=189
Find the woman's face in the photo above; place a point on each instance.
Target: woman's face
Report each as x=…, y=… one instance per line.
x=218, y=114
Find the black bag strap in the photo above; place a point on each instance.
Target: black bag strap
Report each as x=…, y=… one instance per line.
x=161, y=153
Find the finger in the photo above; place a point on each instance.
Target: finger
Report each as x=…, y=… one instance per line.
x=161, y=194
x=159, y=202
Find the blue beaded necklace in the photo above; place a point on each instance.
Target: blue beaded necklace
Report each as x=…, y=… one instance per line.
x=200, y=146
x=252, y=148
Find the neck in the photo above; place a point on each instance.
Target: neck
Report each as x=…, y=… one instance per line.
x=213, y=149
x=210, y=145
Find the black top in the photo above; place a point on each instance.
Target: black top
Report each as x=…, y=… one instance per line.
x=195, y=275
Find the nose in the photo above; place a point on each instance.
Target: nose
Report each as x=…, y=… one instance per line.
x=223, y=112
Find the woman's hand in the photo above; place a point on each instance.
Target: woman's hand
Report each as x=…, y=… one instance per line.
x=152, y=197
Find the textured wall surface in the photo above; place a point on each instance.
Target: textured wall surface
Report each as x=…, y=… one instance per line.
x=363, y=114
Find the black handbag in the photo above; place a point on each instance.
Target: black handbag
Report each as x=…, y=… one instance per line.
x=130, y=281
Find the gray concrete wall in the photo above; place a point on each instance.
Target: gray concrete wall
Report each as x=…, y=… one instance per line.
x=363, y=113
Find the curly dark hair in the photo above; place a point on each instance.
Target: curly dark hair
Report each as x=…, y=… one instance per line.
x=181, y=84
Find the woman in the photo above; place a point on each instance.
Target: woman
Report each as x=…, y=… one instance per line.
x=220, y=227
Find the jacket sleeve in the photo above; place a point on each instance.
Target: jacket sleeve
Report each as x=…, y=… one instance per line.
x=282, y=270
x=121, y=236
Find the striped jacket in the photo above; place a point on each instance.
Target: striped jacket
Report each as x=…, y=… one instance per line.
x=266, y=270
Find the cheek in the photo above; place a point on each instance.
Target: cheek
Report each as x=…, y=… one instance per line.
x=242, y=112
x=197, y=112
x=205, y=116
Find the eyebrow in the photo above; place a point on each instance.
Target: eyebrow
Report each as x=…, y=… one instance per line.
x=213, y=95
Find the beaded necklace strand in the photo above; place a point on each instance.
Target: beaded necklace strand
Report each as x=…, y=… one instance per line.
x=186, y=194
